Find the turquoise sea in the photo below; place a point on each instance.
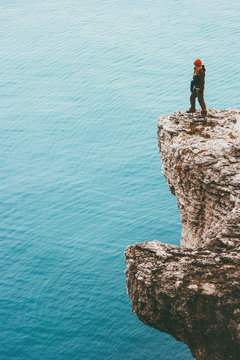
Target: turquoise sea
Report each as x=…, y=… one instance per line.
x=82, y=84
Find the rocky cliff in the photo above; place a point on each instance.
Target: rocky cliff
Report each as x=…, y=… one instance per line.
x=193, y=292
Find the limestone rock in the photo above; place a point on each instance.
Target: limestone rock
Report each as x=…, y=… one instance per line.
x=193, y=292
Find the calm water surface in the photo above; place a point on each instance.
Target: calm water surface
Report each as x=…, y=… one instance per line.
x=82, y=84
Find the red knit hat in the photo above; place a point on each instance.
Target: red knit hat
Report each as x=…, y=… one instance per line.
x=197, y=63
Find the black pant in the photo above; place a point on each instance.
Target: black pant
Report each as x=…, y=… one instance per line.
x=199, y=94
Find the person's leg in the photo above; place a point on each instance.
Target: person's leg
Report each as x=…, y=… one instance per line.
x=201, y=101
x=192, y=102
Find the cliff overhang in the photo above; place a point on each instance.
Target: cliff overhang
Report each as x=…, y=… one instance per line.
x=192, y=292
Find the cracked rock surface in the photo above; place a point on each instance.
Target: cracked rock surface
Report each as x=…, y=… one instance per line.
x=193, y=292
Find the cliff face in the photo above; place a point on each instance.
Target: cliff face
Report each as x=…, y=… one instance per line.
x=201, y=163
x=193, y=292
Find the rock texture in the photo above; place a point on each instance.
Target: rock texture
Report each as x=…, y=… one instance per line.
x=193, y=292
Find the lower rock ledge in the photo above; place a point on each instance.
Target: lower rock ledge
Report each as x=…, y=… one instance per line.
x=191, y=294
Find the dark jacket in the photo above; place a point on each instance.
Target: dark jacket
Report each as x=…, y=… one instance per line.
x=198, y=80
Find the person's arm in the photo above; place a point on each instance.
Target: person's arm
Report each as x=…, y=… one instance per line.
x=192, y=85
x=200, y=82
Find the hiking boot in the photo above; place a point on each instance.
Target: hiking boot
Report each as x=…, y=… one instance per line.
x=203, y=114
x=191, y=111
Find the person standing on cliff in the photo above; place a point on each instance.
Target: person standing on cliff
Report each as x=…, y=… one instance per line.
x=197, y=88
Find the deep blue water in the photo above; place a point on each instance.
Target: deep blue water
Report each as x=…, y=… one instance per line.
x=82, y=84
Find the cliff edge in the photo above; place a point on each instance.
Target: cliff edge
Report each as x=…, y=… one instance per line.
x=193, y=292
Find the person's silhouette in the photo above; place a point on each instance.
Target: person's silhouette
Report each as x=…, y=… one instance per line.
x=197, y=88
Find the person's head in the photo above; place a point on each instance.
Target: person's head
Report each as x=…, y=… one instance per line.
x=197, y=66
x=197, y=63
